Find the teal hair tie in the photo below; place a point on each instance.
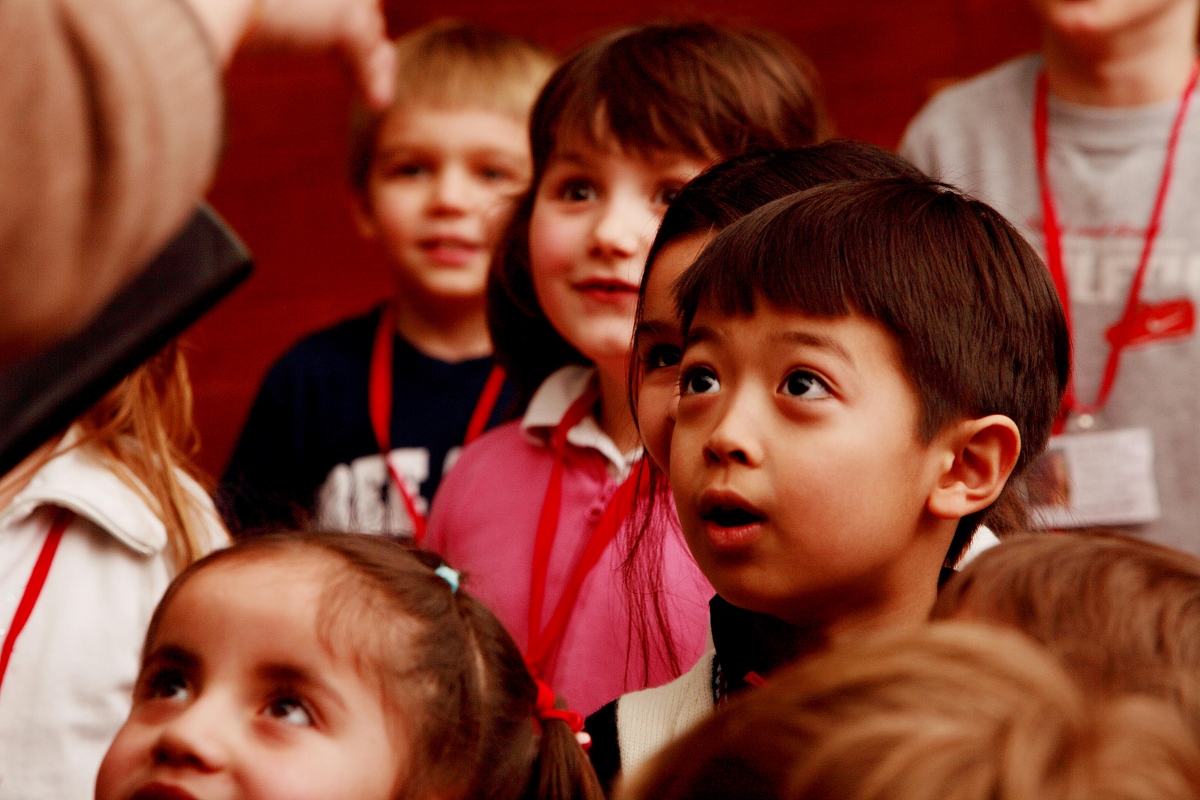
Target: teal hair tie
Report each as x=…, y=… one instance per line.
x=449, y=574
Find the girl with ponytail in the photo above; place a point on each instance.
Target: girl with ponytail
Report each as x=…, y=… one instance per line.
x=338, y=665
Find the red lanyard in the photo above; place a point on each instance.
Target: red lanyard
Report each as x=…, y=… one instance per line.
x=379, y=399
x=1140, y=323
x=544, y=642
x=37, y=579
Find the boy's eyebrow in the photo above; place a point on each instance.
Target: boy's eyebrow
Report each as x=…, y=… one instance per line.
x=815, y=340
x=655, y=327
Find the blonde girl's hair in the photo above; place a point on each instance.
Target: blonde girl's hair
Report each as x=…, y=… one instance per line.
x=144, y=431
x=951, y=710
x=1119, y=612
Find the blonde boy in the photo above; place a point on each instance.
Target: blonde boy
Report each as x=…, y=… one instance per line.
x=433, y=178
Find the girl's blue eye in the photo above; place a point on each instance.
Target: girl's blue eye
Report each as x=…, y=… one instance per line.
x=802, y=383
x=699, y=381
x=167, y=684
x=661, y=356
x=578, y=192
x=289, y=710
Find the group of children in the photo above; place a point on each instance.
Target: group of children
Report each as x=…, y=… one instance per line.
x=753, y=399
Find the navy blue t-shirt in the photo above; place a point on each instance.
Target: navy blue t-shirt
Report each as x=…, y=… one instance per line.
x=308, y=456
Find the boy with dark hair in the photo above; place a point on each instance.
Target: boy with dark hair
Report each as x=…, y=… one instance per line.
x=1090, y=149
x=866, y=365
x=356, y=424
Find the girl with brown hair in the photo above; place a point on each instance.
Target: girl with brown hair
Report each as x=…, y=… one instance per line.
x=335, y=666
x=93, y=526
x=532, y=509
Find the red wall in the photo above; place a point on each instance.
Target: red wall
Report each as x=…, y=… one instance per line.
x=281, y=186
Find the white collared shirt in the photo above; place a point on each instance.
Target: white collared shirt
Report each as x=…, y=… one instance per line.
x=550, y=404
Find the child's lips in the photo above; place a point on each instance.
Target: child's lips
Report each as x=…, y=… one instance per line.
x=607, y=290
x=162, y=791
x=450, y=252
x=730, y=523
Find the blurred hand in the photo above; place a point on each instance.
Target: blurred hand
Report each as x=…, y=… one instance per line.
x=354, y=28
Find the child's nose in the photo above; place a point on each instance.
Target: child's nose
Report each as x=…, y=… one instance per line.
x=625, y=228
x=735, y=439
x=198, y=738
x=451, y=191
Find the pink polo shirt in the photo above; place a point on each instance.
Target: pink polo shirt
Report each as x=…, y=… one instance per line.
x=484, y=522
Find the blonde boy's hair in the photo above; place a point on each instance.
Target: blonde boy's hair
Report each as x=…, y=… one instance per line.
x=450, y=64
x=948, y=710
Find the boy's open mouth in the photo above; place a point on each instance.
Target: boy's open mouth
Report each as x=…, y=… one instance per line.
x=730, y=516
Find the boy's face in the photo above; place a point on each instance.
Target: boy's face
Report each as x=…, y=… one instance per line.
x=1102, y=17
x=799, y=478
x=438, y=192
x=239, y=698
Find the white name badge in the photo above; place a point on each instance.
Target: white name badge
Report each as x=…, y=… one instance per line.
x=1095, y=478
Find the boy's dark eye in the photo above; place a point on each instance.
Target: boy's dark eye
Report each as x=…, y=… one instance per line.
x=166, y=684
x=407, y=169
x=802, y=383
x=699, y=380
x=495, y=174
x=661, y=356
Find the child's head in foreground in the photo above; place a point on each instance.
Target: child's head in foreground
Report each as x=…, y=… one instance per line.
x=948, y=711
x=334, y=666
x=865, y=365
x=621, y=126
x=434, y=176
x=1121, y=613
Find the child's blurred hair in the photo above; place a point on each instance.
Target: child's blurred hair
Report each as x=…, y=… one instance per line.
x=1120, y=612
x=454, y=65
x=448, y=670
x=144, y=430
x=683, y=88
x=709, y=203
x=973, y=310
x=949, y=711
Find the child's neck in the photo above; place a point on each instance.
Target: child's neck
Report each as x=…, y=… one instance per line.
x=449, y=331
x=1147, y=63
x=616, y=418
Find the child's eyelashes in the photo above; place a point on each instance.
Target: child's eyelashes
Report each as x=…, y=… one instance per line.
x=699, y=380
x=166, y=684
x=407, y=169
x=661, y=356
x=577, y=191
x=802, y=383
x=290, y=710
x=668, y=193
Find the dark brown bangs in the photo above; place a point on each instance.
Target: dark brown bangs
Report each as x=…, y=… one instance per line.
x=972, y=307
x=689, y=88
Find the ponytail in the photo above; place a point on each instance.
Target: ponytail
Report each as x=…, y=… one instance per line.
x=561, y=770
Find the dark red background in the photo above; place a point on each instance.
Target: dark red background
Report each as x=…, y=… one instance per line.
x=281, y=185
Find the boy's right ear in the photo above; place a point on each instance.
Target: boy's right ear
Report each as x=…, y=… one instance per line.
x=364, y=220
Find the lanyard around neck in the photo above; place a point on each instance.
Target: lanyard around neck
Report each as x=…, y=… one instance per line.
x=544, y=642
x=1139, y=323
x=33, y=587
x=379, y=399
